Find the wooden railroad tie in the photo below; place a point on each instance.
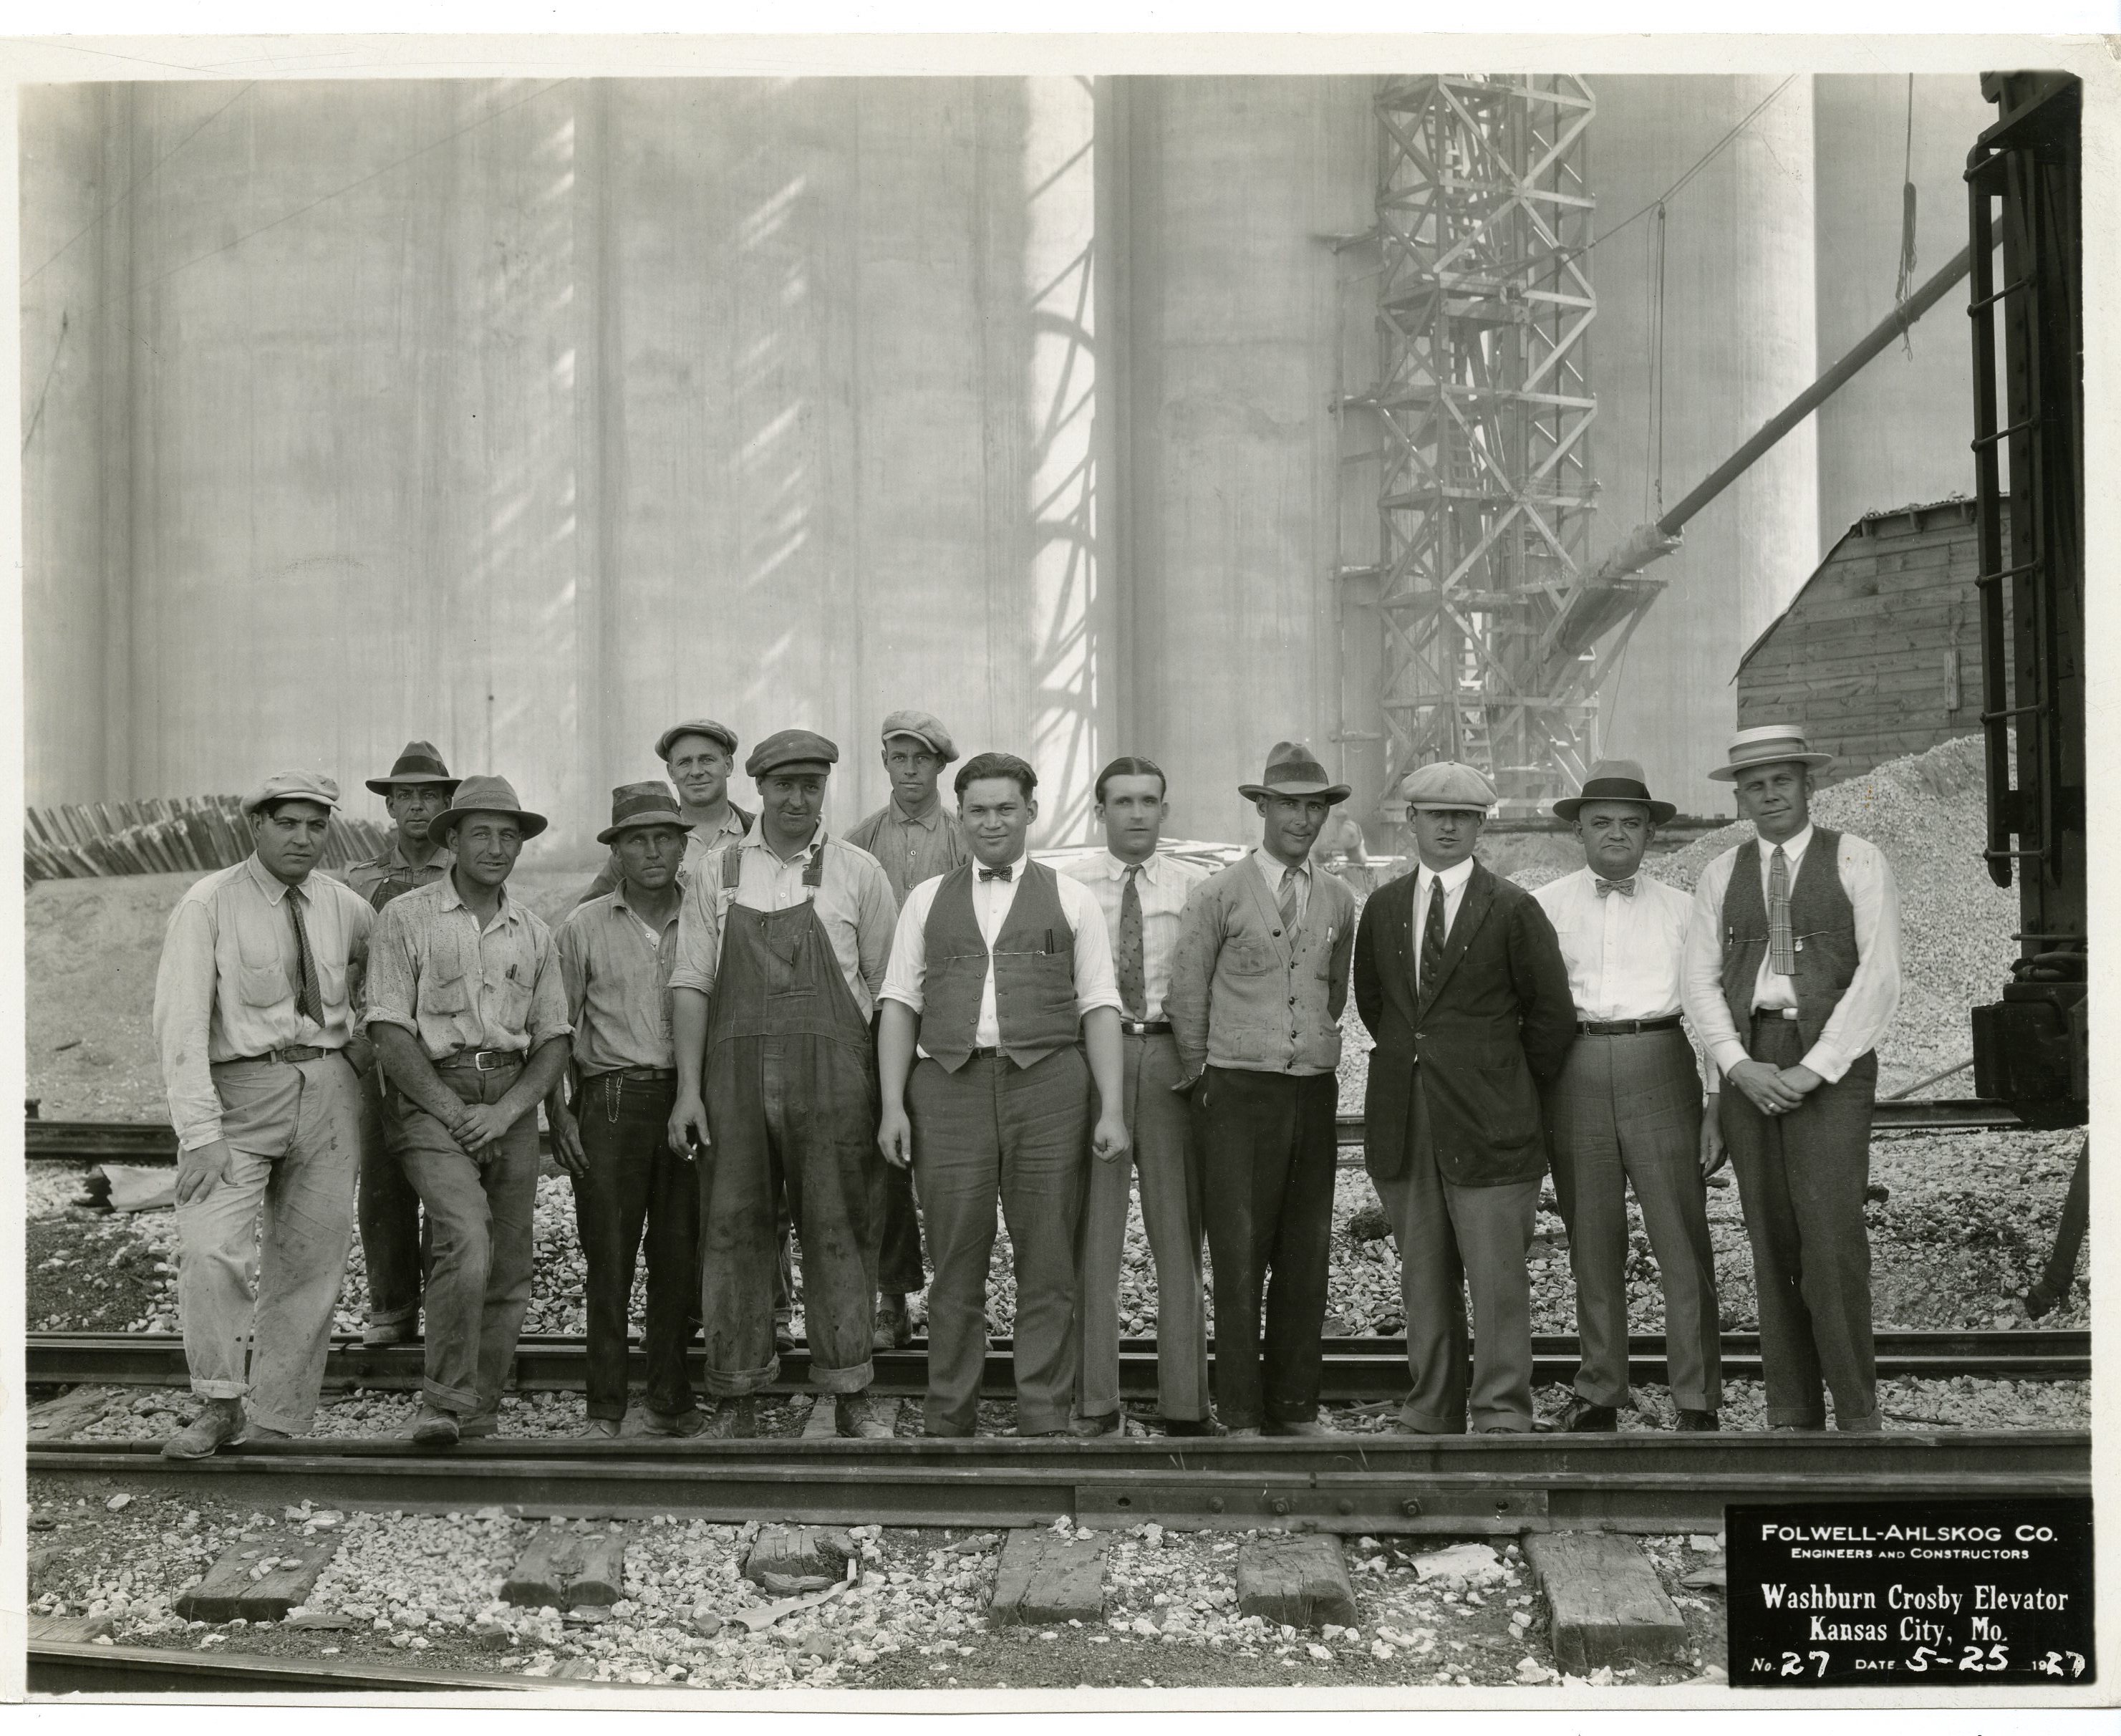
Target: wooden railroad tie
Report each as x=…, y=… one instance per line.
x=570, y=1567
x=1297, y=1581
x=785, y=1560
x=233, y=1586
x=1045, y=1578
x=1607, y=1602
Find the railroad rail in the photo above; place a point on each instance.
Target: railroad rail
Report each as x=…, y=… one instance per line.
x=74, y=1667
x=1355, y=1370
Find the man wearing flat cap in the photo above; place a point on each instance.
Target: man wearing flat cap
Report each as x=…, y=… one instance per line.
x=617, y=952
x=1257, y=988
x=1625, y=1109
x=468, y=1008
x=914, y=837
x=254, y=1022
x=699, y=754
x=782, y=942
x=416, y=789
x=1461, y=985
x=1792, y=974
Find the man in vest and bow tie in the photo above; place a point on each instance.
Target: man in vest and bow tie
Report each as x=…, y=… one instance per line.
x=1460, y=981
x=1625, y=1110
x=1793, y=973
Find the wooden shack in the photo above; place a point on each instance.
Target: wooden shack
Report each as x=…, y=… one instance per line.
x=1879, y=654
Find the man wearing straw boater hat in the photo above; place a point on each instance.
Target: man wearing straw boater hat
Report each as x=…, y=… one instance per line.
x=392, y=1249
x=616, y=954
x=467, y=1008
x=1792, y=974
x=1625, y=1109
x=254, y=1022
x=1257, y=988
x=1459, y=980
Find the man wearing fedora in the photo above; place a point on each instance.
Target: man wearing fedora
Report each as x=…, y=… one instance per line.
x=1625, y=1109
x=1460, y=983
x=1257, y=988
x=467, y=1008
x=1792, y=974
x=699, y=754
x=254, y=1022
x=782, y=946
x=615, y=954
x=914, y=837
x=393, y=1248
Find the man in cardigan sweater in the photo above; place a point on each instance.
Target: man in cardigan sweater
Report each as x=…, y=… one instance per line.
x=1257, y=992
x=1460, y=981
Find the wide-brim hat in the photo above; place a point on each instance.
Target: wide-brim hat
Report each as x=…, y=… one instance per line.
x=1770, y=744
x=1448, y=783
x=1615, y=780
x=478, y=795
x=1293, y=769
x=420, y=763
x=634, y=806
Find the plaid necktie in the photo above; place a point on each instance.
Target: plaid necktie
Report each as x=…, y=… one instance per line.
x=1288, y=884
x=309, y=1000
x=1432, y=937
x=1781, y=946
x=1626, y=888
x=1134, y=990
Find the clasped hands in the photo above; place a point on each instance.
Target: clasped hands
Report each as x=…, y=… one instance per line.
x=1771, y=1089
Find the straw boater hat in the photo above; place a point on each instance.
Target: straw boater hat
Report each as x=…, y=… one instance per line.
x=924, y=727
x=420, y=763
x=1615, y=780
x=481, y=795
x=635, y=805
x=293, y=787
x=1292, y=769
x=1772, y=743
x=1447, y=784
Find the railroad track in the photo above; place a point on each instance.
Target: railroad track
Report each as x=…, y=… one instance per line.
x=1356, y=1370
x=75, y=1667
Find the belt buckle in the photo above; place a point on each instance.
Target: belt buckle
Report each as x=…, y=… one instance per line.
x=486, y=1061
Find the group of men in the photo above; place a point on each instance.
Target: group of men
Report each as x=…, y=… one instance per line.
x=750, y=1025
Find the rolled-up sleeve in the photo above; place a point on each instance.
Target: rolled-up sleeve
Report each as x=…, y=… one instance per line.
x=548, y=1017
x=1096, y=983
x=570, y=943
x=1867, y=1004
x=1701, y=973
x=697, y=955
x=393, y=971
x=183, y=1021
x=908, y=968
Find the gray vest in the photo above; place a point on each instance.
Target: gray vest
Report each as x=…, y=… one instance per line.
x=1822, y=920
x=1034, y=971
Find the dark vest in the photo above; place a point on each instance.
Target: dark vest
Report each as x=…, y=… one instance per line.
x=1822, y=920
x=1034, y=971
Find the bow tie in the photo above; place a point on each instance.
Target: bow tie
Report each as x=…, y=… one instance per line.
x=1626, y=888
x=1007, y=872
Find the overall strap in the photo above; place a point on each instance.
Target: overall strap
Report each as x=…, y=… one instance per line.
x=732, y=869
x=814, y=870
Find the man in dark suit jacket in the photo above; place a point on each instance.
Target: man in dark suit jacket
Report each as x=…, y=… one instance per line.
x=1460, y=981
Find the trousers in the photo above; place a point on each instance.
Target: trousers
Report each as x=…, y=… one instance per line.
x=900, y=1271
x=395, y=1244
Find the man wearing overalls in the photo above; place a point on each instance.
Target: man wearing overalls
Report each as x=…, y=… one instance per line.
x=782, y=946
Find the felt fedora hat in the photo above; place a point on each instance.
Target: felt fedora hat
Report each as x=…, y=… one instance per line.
x=481, y=795
x=651, y=803
x=419, y=762
x=1615, y=780
x=1293, y=769
x=1771, y=743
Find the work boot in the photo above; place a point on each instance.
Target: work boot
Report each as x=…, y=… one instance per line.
x=1309, y=1429
x=784, y=1333
x=1185, y=1426
x=481, y=1426
x=856, y=1414
x=215, y=1427
x=1580, y=1417
x=1089, y=1428
x=258, y=1431
x=1241, y=1434
x=435, y=1427
x=894, y=1326
x=376, y=1334
x=600, y=1428
x=731, y=1419
x=685, y=1423
x=1697, y=1422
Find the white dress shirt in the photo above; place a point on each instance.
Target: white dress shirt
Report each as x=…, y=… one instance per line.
x=1867, y=1005
x=1164, y=885
x=1271, y=870
x=1426, y=880
x=1095, y=984
x=1624, y=954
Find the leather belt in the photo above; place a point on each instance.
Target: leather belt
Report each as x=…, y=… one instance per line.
x=1626, y=1027
x=293, y=1053
x=1774, y=1012
x=984, y=1054
x=486, y=1061
x=655, y=1076
x=1145, y=1027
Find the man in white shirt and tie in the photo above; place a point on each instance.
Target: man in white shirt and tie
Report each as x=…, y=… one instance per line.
x=1143, y=895
x=1626, y=1108
x=1793, y=973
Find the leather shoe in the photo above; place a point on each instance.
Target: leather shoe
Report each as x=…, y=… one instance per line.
x=1697, y=1422
x=1241, y=1434
x=1186, y=1425
x=374, y=1337
x=1089, y=1428
x=731, y=1419
x=784, y=1336
x=1798, y=1428
x=679, y=1423
x=1580, y=1417
x=436, y=1428
x=217, y=1424
x=481, y=1427
x=601, y=1428
x=1310, y=1428
x=258, y=1431
x=855, y=1414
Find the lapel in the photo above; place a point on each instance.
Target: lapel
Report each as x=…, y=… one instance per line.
x=1472, y=911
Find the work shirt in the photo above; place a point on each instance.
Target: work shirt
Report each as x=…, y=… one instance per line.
x=1164, y=885
x=1867, y=1005
x=1426, y=880
x=456, y=986
x=853, y=903
x=1095, y=984
x=911, y=848
x=616, y=965
x=391, y=866
x=230, y=976
x=1624, y=954
x=1271, y=870
x=700, y=842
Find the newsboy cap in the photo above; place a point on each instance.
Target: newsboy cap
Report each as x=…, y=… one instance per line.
x=293, y=787
x=635, y=805
x=790, y=748
x=705, y=727
x=1615, y=780
x=1293, y=769
x=419, y=762
x=1447, y=784
x=1770, y=744
x=922, y=726
x=481, y=795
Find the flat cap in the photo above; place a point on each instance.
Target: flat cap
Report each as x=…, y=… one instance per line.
x=705, y=727
x=293, y=787
x=923, y=726
x=1447, y=784
x=789, y=747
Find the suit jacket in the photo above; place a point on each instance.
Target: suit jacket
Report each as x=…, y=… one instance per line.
x=1496, y=1016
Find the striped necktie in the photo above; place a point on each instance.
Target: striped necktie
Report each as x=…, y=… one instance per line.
x=1782, y=944
x=1288, y=887
x=309, y=999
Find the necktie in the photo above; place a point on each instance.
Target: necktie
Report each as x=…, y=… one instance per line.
x=1781, y=947
x=309, y=999
x=1288, y=900
x=1432, y=937
x=1006, y=871
x=1626, y=888
x=1134, y=990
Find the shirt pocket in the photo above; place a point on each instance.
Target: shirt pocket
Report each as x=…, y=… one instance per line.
x=447, y=987
x=1250, y=956
x=261, y=973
